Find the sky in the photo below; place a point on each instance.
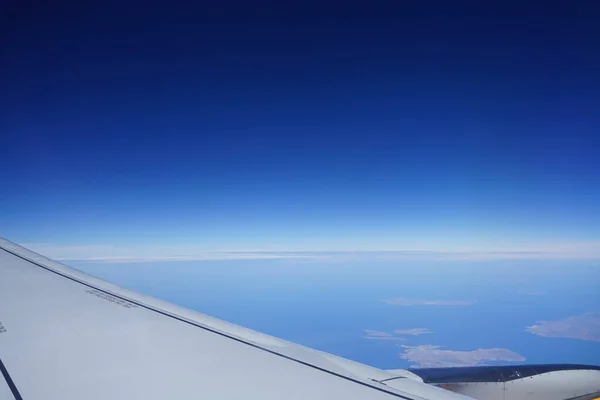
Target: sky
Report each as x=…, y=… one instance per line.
x=157, y=129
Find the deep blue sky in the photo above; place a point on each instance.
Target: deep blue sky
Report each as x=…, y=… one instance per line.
x=301, y=126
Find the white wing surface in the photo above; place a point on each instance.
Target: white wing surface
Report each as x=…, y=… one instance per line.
x=70, y=336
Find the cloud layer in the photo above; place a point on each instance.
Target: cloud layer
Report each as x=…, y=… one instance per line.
x=188, y=252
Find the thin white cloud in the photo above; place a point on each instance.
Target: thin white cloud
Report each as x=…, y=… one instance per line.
x=413, y=331
x=399, y=301
x=531, y=292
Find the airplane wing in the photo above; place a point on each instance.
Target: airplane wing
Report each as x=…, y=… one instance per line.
x=70, y=336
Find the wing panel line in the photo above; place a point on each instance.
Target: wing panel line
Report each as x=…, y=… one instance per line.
x=167, y=314
x=9, y=381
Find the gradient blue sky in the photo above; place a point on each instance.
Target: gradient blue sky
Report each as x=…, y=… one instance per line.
x=461, y=126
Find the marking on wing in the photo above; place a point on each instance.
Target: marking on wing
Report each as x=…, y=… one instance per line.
x=209, y=329
x=111, y=298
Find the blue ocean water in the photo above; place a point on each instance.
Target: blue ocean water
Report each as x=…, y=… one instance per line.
x=328, y=305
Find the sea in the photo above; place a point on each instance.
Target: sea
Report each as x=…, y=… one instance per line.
x=330, y=304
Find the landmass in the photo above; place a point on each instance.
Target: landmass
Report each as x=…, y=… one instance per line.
x=380, y=335
x=584, y=327
x=398, y=301
x=427, y=356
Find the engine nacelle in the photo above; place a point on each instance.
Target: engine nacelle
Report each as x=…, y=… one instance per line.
x=531, y=382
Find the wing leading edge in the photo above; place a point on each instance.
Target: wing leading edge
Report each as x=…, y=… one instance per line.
x=67, y=335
